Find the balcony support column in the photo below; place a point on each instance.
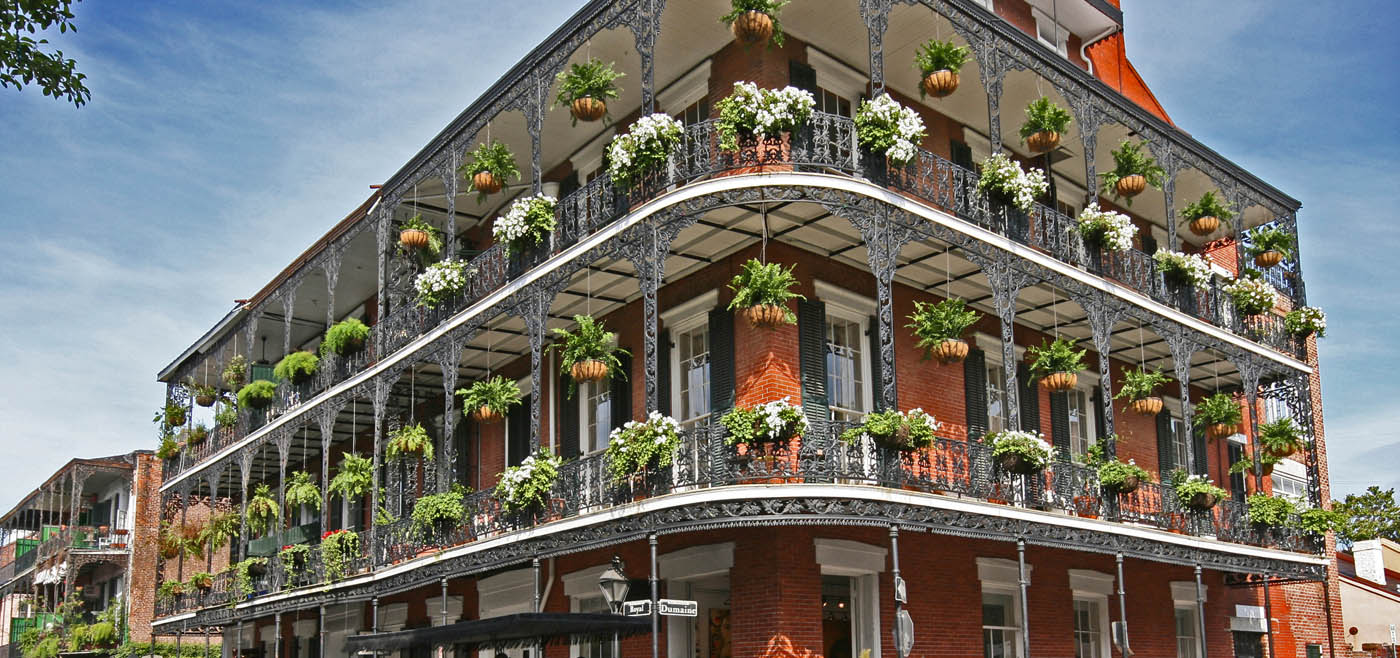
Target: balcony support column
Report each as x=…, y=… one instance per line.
x=1171, y=163
x=533, y=309
x=326, y=425
x=884, y=235
x=1251, y=369
x=1299, y=397
x=381, y=292
x=245, y=468
x=448, y=359
x=1201, y=609
x=646, y=27
x=1182, y=347
x=1006, y=282
x=1089, y=118
x=1122, y=602
x=534, y=108
x=289, y=300
x=449, y=184
x=1102, y=317
x=330, y=266
x=1024, y=581
x=876, y=14
x=284, y=446
x=1241, y=201
x=184, y=514
x=382, y=387
x=276, y=636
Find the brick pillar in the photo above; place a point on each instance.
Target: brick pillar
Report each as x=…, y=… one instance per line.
x=765, y=363
x=776, y=593
x=145, y=519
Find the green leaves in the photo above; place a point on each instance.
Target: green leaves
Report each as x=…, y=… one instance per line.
x=770, y=7
x=935, y=323
x=1218, y=409
x=759, y=283
x=1139, y=383
x=498, y=393
x=938, y=55
x=1208, y=206
x=409, y=441
x=1057, y=356
x=353, y=476
x=345, y=337
x=1043, y=115
x=1129, y=159
x=296, y=366
x=591, y=79
x=23, y=59
x=1269, y=238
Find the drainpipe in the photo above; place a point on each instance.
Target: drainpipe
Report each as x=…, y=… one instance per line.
x=1025, y=607
x=1093, y=40
x=1269, y=618
x=1122, y=602
x=1201, y=608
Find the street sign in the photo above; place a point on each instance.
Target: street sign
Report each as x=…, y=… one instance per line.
x=904, y=633
x=901, y=592
x=636, y=608
x=678, y=608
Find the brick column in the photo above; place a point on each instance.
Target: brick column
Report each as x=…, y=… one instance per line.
x=776, y=594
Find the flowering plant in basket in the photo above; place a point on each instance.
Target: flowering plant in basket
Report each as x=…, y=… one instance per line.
x=1002, y=180
x=638, y=446
x=885, y=126
x=441, y=281
x=338, y=548
x=647, y=144
x=1020, y=451
x=749, y=110
x=526, y=222
x=1252, y=295
x=1306, y=320
x=1105, y=228
x=1183, y=269
x=770, y=422
x=1196, y=491
x=526, y=487
x=899, y=430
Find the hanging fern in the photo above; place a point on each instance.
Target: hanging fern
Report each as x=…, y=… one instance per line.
x=302, y=491
x=262, y=510
x=353, y=477
x=409, y=441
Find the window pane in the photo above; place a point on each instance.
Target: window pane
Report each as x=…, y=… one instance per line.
x=693, y=364
x=1186, y=633
x=996, y=398
x=1088, y=636
x=843, y=369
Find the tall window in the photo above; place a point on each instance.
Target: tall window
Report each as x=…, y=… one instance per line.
x=999, y=625
x=1081, y=422
x=996, y=397
x=1187, y=646
x=1180, y=437
x=832, y=103
x=597, y=414
x=592, y=647
x=697, y=112
x=693, y=365
x=845, y=387
x=1088, y=629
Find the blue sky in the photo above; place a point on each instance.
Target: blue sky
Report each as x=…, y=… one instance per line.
x=223, y=138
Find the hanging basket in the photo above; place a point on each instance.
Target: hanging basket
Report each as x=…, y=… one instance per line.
x=1056, y=382
x=1203, y=501
x=766, y=316
x=486, y=415
x=752, y=27
x=412, y=238
x=1204, y=226
x=1268, y=258
x=940, y=83
x=588, y=371
x=1131, y=186
x=1129, y=485
x=1282, y=454
x=588, y=108
x=951, y=350
x=1220, y=431
x=1015, y=463
x=205, y=400
x=1149, y=406
x=486, y=182
x=1043, y=141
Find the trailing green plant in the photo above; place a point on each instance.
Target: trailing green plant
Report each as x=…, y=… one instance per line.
x=166, y=649
x=439, y=513
x=1245, y=466
x=498, y=393
x=1208, y=205
x=221, y=529
x=770, y=422
x=195, y=434
x=1217, y=409
x=296, y=366
x=201, y=580
x=1141, y=383
x=749, y=110
x=770, y=7
x=243, y=579
x=199, y=390
x=527, y=487
x=764, y=284
x=169, y=589
x=345, y=337
x=302, y=491
x=591, y=79
x=262, y=512
x=1031, y=446
x=911, y=430
x=294, y=559
x=1305, y=321
x=417, y=223
x=338, y=549
x=885, y=126
x=1318, y=521
x=235, y=373
x=1129, y=159
x=1055, y=356
x=589, y=342
x=409, y=441
x=47, y=647
x=935, y=323
x=1114, y=475
x=1187, y=486
x=79, y=637
x=103, y=634
x=169, y=448
x=1270, y=238
x=639, y=446
x=646, y=145
x=226, y=414
x=1282, y=437
x=1264, y=509
x=1044, y=116
x=1097, y=452
x=257, y=394
x=493, y=157
x=934, y=55
x=173, y=414
x=353, y=477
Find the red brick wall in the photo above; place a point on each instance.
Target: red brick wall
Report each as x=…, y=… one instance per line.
x=144, y=547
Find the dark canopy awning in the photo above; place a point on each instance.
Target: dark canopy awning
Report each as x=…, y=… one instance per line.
x=504, y=632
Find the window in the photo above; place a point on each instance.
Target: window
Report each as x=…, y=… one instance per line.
x=592, y=647
x=597, y=415
x=999, y=625
x=1290, y=479
x=850, y=596
x=1088, y=629
x=831, y=103
x=1186, y=644
x=1051, y=34
x=1082, y=430
x=1180, y=438
x=693, y=366
x=695, y=113
x=1275, y=409
x=996, y=397
x=844, y=365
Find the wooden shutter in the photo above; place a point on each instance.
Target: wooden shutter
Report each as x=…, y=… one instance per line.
x=1166, y=460
x=620, y=391
x=877, y=365
x=1202, y=458
x=663, y=372
x=568, y=418
x=1059, y=424
x=811, y=344
x=975, y=393
x=1100, y=424
x=1028, y=395
x=802, y=76
x=721, y=330
x=518, y=432
x=1238, y=490
x=961, y=155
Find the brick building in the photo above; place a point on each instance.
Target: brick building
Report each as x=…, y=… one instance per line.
x=789, y=549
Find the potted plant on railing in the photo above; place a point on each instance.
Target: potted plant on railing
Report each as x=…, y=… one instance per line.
x=939, y=328
x=1045, y=123
x=257, y=395
x=749, y=111
x=235, y=373
x=441, y=281
x=647, y=144
x=345, y=338
x=169, y=448
x=1282, y=438
x=1181, y=269
x=297, y=367
x=302, y=491
x=1020, y=452
x=761, y=294
x=173, y=414
x=1251, y=295
x=195, y=434
x=1218, y=415
x=353, y=477
x=526, y=223
x=525, y=489
x=262, y=513
x=1122, y=478
x=1269, y=511
x=204, y=394
x=586, y=88
x=939, y=62
x=1105, y=229
x=202, y=581
x=1306, y=321
x=639, y=448
x=338, y=549
x=755, y=21
x=1318, y=521
x=1004, y=183
x=436, y=515
x=1269, y=245
x=1245, y=466
x=488, y=167
x=1205, y=214
x=409, y=442
x=1056, y=364
x=416, y=234
x=895, y=430
x=1133, y=170
x=1139, y=387
x=771, y=423
x=488, y=400
x=1195, y=492
x=588, y=353
x=169, y=590
x=884, y=126
x=294, y=559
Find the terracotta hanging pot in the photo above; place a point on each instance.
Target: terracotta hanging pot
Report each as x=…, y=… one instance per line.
x=1018, y=464
x=1131, y=186
x=1149, y=406
x=486, y=182
x=486, y=415
x=1130, y=484
x=1268, y=258
x=951, y=350
x=1203, y=501
x=766, y=316
x=1056, y=382
x=1204, y=226
x=588, y=108
x=412, y=238
x=588, y=371
x=205, y=400
x=753, y=27
x=940, y=83
x=1043, y=141
x=1221, y=430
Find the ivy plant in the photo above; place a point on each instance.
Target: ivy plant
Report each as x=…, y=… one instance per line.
x=353, y=477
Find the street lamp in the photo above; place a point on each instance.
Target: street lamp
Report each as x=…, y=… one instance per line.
x=614, y=585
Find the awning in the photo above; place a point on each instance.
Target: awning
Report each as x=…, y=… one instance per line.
x=506, y=632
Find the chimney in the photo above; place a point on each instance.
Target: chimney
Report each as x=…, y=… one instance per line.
x=1370, y=560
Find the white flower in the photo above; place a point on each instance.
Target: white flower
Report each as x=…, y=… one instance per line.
x=440, y=281
x=1002, y=176
x=530, y=217
x=1190, y=268
x=1251, y=295
x=1112, y=229
x=882, y=124
x=648, y=143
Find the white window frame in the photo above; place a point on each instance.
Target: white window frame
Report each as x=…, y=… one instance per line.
x=1001, y=576
x=687, y=316
x=1046, y=23
x=1276, y=409
x=1291, y=471
x=992, y=360
x=855, y=308
x=508, y=593
x=837, y=77
x=863, y=564
x=1088, y=417
x=1184, y=598
x=579, y=587
x=683, y=93
x=1094, y=587
x=679, y=569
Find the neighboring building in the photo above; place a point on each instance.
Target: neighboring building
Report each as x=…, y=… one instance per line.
x=82, y=532
x=790, y=551
x=1370, y=579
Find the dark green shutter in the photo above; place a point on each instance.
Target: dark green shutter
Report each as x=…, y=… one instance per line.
x=877, y=365
x=975, y=392
x=663, y=372
x=620, y=391
x=568, y=418
x=1029, y=398
x=518, y=431
x=1202, y=459
x=961, y=155
x=1100, y=424
x=1238, y=490
x=721, y=330
x=1059, y=424
x=811, y=346
x=1166, y=461
x=802, y=76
